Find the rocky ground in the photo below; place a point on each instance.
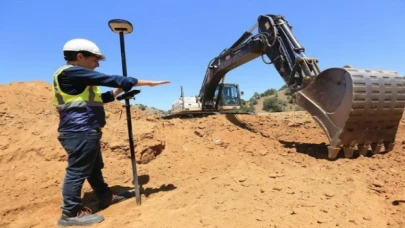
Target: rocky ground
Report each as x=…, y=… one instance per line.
x=209, y=172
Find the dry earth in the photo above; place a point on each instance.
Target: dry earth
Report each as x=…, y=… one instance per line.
x=210, y=172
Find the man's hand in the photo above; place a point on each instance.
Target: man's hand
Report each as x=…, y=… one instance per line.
x=117, y=91
x=142, y=82
x=155, y=83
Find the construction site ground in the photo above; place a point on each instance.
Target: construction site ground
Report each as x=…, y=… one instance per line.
x=267, y=170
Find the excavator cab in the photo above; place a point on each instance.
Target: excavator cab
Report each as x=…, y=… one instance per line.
x=230, y=96
x=230, y=99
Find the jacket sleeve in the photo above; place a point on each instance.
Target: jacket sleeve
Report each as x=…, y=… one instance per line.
x=86, y=77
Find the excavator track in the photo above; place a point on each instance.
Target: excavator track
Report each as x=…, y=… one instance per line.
x=356, y=108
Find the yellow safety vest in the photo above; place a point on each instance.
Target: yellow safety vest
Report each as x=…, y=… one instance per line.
x=91, y=96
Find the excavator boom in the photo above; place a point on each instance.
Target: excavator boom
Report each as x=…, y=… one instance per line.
x=356, y=108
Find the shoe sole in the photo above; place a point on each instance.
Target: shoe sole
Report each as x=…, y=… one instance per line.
x=73, y=223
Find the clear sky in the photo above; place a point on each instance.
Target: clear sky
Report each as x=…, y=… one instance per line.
x=175, y=40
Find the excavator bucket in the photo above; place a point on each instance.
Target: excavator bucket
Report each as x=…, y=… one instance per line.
x=356, y=108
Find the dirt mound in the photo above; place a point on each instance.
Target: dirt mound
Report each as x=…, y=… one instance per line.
x=27, y=109
x=218, y=171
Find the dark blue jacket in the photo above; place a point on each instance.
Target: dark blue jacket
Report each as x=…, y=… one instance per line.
x=73, y=81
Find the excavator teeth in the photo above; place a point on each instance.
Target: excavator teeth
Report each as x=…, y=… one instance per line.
x=349, y=151
x=376, y=147
x=333, y=152
x=363, y=149
x=389, y=146
x=356, y=107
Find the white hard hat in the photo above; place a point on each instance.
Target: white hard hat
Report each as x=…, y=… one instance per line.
x=80, y=44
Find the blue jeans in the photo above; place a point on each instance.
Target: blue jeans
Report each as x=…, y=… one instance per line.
x=84, y=162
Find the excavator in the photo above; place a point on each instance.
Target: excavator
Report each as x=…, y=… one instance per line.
x=356, y=108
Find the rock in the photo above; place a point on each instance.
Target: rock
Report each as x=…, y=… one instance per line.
x=263, y=152
x=118, y=145
x=275, y=175
x=329, y=194
x=295, y=124
x=378, y=184
x=265, y=135
x=198, y=133
x=151, y=118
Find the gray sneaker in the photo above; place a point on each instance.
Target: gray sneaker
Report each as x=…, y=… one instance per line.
x=83, y=217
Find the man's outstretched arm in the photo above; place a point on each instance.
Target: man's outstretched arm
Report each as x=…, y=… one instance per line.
x=86, y=77
x=140, y=82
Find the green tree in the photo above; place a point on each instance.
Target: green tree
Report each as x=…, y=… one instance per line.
x=253, y=101
x=256, y=95
x=142, y=107
x=272, y=104
x=269, y=92
x=247, y=108
x=291, y=100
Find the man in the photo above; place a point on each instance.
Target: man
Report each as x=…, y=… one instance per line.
x=79, y=102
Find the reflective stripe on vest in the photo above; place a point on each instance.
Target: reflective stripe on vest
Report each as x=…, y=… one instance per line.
x=91, y=96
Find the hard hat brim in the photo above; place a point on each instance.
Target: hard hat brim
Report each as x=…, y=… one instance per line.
x=101, y=57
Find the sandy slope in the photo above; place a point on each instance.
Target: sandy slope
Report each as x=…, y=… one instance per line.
x=211, y=172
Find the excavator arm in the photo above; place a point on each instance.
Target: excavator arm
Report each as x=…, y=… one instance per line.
x=356, y=108
x=275, y=40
